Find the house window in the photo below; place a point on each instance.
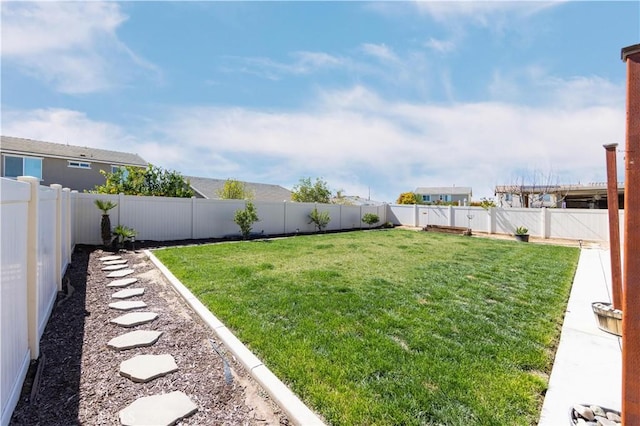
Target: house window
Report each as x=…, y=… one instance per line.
x=444, y=197
x=508, y=197
x=426, y=198
x=15, y=166
x=125, y=172
x=79, y=165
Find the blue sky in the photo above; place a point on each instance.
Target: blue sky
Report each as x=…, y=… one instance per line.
x=371, y=96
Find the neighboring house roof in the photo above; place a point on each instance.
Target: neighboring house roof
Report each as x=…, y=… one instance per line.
x=453, y=190
x=20, y=146
x=209, y=188
x=355, y=200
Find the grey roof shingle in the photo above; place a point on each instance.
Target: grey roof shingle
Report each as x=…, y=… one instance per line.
x=209, y=188
x=14, y=145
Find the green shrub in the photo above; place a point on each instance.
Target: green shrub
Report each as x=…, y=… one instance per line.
x=320, y=219
x=246, y=218
x=370, y=218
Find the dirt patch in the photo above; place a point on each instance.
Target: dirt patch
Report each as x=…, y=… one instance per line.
x=80, y=381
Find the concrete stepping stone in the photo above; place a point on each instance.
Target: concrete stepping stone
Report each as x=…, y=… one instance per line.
x=121, y=273
x=127, y=305
x=115, y=262
x=165, y=409
x=134, y=339
x=114, y=267
x=144, y=368
x=122, y=283
x=108, y=258
x=127, y=293
x=134, y=318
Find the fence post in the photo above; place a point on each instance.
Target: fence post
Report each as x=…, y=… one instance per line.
x=57, y=246
x=416, y=219
x=452, y=220
x=492, y=220
x=284, y=213
x=193, y=217
x=67, y=236
x=543, y=222
x=75, y=222
x=32, y=265
x=120, y=206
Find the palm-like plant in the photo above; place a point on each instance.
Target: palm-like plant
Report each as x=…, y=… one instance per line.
x=105, y=223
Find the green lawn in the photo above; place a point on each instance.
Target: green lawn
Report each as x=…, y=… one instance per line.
x=393, y=327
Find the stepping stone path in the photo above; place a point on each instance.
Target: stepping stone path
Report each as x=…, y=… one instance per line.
x=123, y=282
x=130, y=292
x=134, y=339
x=143, y=368
x=109, y=258
x=128, y=305
x=163, y=409
x=113, y=267
x=134, y=318
x=121, y=273
x=115, y=262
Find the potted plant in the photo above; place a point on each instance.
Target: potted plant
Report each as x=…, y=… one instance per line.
x=122, y=234
x=105, y=223
x=522, y=234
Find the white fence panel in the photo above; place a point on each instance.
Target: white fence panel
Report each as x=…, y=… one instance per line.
x=47, y=279
x=579, y=224
x=402, y=214
x=156, y=218
x=350, y=217
x=507, y=220
x=475, y=218
x=334, y=215
x=14, y=345
x=272, y=218
x=203, y=217
x=298, y=217
x=88, y=217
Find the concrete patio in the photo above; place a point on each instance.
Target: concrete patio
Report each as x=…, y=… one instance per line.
x=588, y=364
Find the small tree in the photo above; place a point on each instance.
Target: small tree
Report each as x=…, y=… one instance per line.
x=235, y=190
x=370, y=219
x=307, y=192
x=105, y=223
x=152, y=181
x=246, y=218
x=407, y=198
x=320, y=219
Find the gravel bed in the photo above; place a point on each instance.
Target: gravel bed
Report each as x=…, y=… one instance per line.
x=79, y=382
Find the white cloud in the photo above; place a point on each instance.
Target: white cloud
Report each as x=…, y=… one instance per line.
x=380, y=52
x=356, y=139
x=442, y=46
x=303, y=62
x=483, y=13
x=71, y=45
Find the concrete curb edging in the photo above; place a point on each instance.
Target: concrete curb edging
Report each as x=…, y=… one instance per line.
x=296, y=410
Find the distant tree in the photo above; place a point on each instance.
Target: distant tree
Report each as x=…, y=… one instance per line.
x=407, y=198
x=246, y=218
x=235, y=190
x=152, y=181
x=307, y=192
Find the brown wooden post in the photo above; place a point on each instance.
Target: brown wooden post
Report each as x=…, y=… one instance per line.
x=614, y=225
x=631, y=291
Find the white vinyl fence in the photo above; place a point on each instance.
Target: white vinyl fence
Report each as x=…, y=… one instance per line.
x=41, y=225
x=572, y=224
x=35, y=251
x=164, y=219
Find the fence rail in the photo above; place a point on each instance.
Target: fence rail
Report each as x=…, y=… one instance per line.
x=41, y=225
